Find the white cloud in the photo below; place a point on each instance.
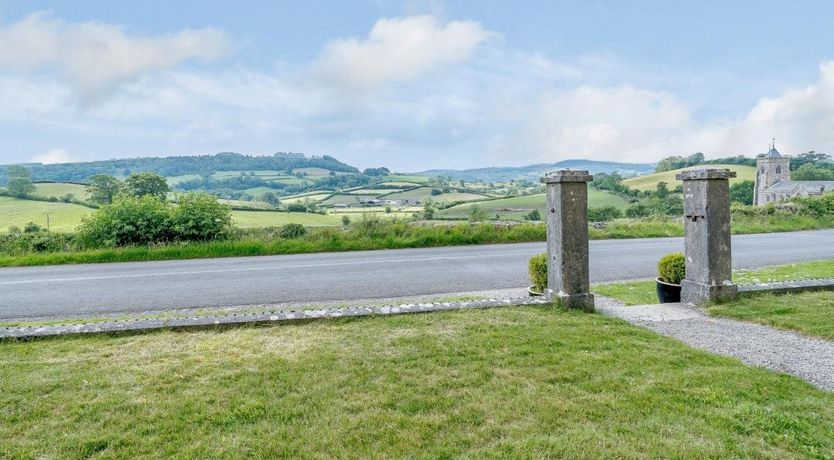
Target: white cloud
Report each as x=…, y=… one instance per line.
x=53, y=156
x=399, y=49
x=95, y=57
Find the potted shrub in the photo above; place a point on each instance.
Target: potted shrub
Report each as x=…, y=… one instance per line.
x=671, y=270
x=538, y=274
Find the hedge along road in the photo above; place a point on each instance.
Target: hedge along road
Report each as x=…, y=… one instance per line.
x=71, y=290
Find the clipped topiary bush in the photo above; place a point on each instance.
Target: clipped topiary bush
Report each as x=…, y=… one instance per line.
x=292, y=231
x=538, y=272
x=672, y=268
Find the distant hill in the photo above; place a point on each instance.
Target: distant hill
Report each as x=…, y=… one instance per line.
x=535, y=171
x=181, y=165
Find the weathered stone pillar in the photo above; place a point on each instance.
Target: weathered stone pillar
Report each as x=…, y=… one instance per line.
x=567, y=238
x=706, y=205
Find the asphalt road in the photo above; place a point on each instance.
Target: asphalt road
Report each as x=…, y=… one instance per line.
x=71, y=290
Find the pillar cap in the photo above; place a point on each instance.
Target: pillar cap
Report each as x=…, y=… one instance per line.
x=566, y=175
x=704, y=174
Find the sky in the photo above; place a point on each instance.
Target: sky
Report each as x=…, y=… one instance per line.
x=414, y=85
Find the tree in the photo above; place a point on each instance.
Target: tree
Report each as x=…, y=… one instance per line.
x=477, y=214
x=200, y=217
x=742, y=192
x=20, y=182
x=809, y=171
x=534, y=215
x=103, y=188
x=376, y=171
x=661, y=190
x=271, y=199
x=146, y=184
x=345, y=220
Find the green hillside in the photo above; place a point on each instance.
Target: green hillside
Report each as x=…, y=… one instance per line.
x=650, y=181
x=517, y=207
x=60, y=189
x=63, y=217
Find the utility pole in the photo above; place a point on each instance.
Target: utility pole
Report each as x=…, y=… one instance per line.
x=47, y=221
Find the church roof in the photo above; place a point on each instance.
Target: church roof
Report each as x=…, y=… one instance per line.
x=811, y=186
x=773, y=153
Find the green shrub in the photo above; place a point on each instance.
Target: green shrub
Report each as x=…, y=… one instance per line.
x=672, y=268
x=538, y=272
x=201, y=217
x=345, y=220
x=293, y=231
x=533, y=215
x=604, y=214
x=129, y=220
x=32, y=227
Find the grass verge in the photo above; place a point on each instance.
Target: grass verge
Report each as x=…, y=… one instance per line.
x=507, y=382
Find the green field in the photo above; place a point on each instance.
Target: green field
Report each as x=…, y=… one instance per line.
x=424, y=193
x=253, y=219
x=63, y=217
x=517, y=207
x=516, y=382
x=174, y=180
x=58, y=190
x=406, y=178
x=650, y=181
x=245, y=204
x=317, y=196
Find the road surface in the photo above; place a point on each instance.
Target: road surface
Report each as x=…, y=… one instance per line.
x=71, y=290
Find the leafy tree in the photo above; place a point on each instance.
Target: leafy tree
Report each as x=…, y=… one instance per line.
x=811, y=171
x=32, y=227
x=533, y=215
x=661, y=190
x=376, y=171
x=428, y=210
x=436, y=191
x=200, y=217
x=477, y=214
x=103, y=188
x=20, y=182
x=742, y=192
x=146, y=184
x=345, y=220
x=271, y=199
x=811, y=157
x=297, y=207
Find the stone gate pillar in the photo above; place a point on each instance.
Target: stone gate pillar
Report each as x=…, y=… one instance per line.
x=706, y=205
x=567, y=238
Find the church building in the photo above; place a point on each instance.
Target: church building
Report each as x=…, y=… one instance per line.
x=774, y=184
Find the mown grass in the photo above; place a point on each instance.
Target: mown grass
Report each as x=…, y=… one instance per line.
x=521, y=205
x=643, y=292
x=522, y=382
x=810, y=313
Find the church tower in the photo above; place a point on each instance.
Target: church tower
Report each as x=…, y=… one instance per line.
x=771, y=168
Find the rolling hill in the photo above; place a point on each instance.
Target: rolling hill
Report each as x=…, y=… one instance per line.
x=650, y=181
x=519, y=206
x=535, y=171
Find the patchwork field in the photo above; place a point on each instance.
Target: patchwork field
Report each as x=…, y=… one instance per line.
x=650, y=181
x=254, y=219
x=522, y=382
x=63, y=217
x=517, y=207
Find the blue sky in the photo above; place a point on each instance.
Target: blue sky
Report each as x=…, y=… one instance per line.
x=415, y=85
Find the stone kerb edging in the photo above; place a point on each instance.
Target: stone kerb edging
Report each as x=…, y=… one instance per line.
x=138, y=325
x=788, y=287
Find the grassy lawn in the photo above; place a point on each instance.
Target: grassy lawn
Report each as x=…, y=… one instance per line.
x=63, y=217
x=650, y=181
x=643, y=292
x=524, y=382
x=810, y=313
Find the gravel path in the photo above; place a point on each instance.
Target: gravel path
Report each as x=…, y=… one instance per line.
x=805, y=357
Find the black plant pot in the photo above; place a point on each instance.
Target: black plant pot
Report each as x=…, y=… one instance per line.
x=668, y=293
